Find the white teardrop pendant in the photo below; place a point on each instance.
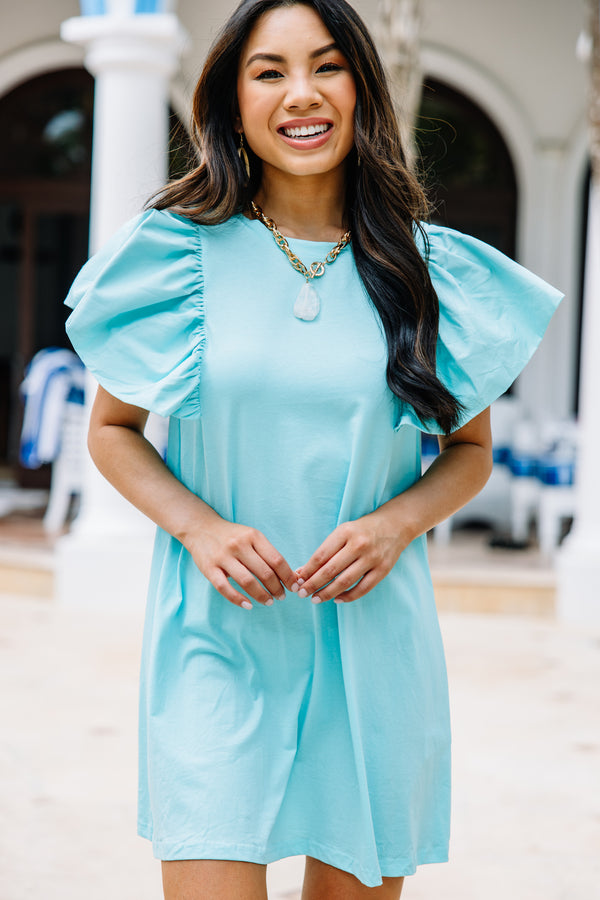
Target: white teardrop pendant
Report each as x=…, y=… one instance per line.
x=307, y=303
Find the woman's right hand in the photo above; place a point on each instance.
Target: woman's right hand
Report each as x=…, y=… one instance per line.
x=224, y=550
x=221, y=549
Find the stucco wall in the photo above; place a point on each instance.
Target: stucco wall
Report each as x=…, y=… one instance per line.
x=32, y=22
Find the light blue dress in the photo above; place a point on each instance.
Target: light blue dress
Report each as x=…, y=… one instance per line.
x=295, y=729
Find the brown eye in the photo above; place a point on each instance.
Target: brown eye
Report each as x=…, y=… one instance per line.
x=268, y=74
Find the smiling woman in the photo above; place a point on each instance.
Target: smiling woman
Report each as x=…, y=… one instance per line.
x=296, y=105
x=317, y=726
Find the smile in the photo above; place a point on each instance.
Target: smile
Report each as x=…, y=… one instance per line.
x=308, y=134
x=306, y=130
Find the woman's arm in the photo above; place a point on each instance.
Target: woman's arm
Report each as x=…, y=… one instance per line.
x=220, y=549
x=359, y=554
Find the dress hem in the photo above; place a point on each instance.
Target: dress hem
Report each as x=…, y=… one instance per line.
x=389, y=867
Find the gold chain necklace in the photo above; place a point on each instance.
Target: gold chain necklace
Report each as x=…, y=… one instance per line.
x=307, y=303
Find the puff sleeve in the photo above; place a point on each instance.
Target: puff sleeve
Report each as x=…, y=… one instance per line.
x=137, y=320
x=493, y=315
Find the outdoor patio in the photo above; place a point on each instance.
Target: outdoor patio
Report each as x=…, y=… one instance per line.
x=526, y=760
x=524, y=694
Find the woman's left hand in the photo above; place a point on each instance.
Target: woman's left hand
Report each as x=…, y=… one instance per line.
x=353, y=559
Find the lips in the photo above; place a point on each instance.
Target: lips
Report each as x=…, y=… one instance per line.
x=306, y=133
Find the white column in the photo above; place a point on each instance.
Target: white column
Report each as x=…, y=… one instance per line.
x=105, y=559
x=578, y=563
x=546, y=386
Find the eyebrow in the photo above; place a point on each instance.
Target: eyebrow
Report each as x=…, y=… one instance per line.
x=275, y=57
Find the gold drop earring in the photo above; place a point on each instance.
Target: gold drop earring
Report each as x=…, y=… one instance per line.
x=244, y=156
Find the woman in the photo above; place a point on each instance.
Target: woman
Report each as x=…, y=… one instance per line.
x=297, y=394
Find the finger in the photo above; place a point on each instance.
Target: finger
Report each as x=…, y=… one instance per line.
x=346, y=580
x=366, y=584
x=275, y=560
x=330, y=546
x=264, y=573
x=331, y=569
x=248, y=583
x=227, y=590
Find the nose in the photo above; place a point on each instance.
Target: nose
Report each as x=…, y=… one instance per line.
x=302, y=93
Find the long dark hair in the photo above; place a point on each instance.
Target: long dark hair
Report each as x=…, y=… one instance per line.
x=384, y=200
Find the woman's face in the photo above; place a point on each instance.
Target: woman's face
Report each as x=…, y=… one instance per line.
x=296, y=93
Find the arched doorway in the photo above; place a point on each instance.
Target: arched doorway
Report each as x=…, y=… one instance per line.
x=45, y=161
x=45, y=172
x=467, y=167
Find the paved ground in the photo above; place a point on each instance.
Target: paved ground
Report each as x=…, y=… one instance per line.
x=525, y=704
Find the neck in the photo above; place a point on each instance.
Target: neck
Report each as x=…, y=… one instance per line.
x=309, y=207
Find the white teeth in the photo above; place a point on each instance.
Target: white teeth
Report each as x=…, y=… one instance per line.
x=305, y=130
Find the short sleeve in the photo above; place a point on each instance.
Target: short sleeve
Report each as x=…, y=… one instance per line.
x=493, y=315
x=137, y=320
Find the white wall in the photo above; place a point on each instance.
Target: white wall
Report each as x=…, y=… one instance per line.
x=32, y=21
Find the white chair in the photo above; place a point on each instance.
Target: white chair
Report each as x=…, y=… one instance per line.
x=556, y=503
x=67, y=467
x=525, y=493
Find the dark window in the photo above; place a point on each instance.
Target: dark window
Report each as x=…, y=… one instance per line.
x=46, y=127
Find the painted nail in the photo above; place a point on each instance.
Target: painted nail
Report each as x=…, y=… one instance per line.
x=316, y=599
x=302, y=593
x=269, y=602
x=282, y=597
x=301, y=581
x=246, y=604
x=337, y=600
x=295, y=587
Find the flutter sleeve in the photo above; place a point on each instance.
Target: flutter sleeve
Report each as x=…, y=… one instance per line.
x=137, y=320
x=493, y=315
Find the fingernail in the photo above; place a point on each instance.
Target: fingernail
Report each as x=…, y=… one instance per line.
x=246, y=604
x=337, y=600
x=302, y=593
x=295, y=587
x=269, y=602
x=301, y=581
x=282, y=597
x=316, y=599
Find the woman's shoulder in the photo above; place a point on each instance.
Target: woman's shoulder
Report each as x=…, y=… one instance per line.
x=154, y=223
x=164, y=223
x=175, y=221
x=156, y=247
